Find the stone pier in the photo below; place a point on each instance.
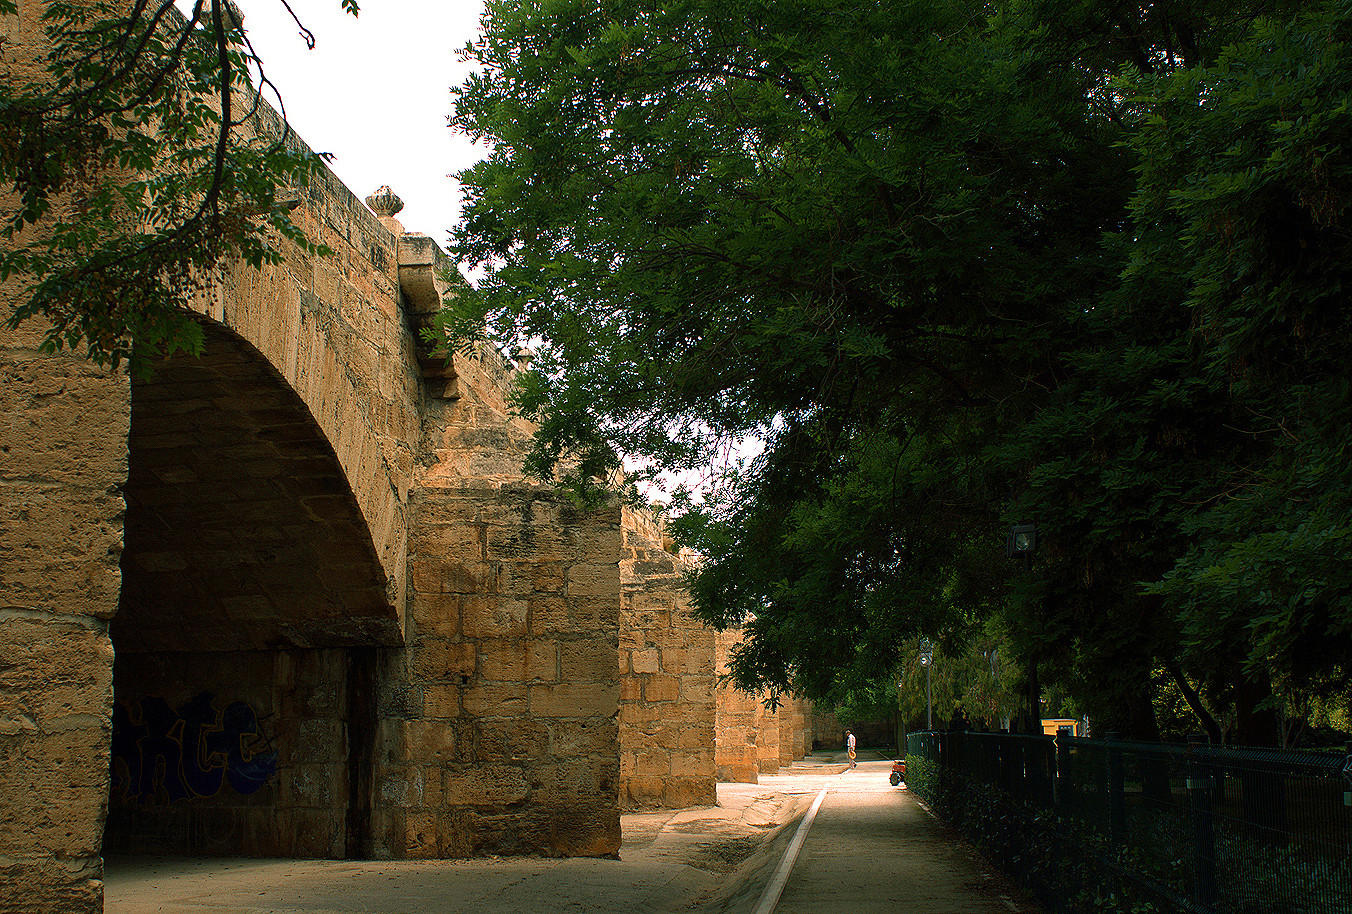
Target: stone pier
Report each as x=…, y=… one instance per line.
x=667, y=698
x=736, y=756
x=751, y=738
x=63, y=459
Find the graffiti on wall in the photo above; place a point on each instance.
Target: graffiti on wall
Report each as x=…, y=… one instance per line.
x=188, y=752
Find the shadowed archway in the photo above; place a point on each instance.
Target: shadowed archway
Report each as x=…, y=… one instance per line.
x=242, y=532
x=252, y=611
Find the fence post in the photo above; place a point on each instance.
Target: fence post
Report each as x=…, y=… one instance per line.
x=1065, y=786
x=1203, y=837
x=1347, y=775
x=1024, y=770
x=1046, y=763
x=1116, y=799
x=1003, y=752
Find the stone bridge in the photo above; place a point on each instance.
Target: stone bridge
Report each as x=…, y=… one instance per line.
x=295, y=597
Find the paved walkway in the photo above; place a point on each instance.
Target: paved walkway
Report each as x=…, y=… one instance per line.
x=874, y=848
x=871, y=847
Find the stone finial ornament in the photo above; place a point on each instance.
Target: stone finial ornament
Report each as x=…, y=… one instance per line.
x=384, y=202
x=232, y=16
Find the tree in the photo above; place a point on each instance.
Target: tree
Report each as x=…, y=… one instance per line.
x=1254, y=196
x=958, y=265
x=786, y=220
x=1189, y=451
x=976, y=677
x=137, y=167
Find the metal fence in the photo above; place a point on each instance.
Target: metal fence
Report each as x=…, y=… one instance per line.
x=1094, y=825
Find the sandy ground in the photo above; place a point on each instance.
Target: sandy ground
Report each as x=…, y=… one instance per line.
x=871, y=847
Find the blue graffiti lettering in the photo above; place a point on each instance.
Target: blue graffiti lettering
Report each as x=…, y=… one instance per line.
x=189, y=752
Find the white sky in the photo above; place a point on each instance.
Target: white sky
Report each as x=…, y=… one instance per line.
x=375, y=92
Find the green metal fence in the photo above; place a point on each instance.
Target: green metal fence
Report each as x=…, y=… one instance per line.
x=1093, y=824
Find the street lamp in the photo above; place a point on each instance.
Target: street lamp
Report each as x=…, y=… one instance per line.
x=1022, y=541
x=901, y=718
x=926, y=659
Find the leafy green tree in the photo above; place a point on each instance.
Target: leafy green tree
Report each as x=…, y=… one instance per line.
x=1193, y=447
x=871, y=702
x=795, y=221
x=977, y=677
x=958, y=265
x=1254, y=197
x=137, y=164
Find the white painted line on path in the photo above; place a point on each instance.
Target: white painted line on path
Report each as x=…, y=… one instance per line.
x=770, y=898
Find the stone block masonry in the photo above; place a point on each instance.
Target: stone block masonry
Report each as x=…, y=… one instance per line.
x=767, y=740
x=736, y=727
x=790, y=732
x=752, y=739
x=666, y=665
x=510, y=743
x=63, y=457
x=233, y=753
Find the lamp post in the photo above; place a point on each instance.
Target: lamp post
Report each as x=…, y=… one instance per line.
x=1022, y=542
x=901, y=719
x=927, y=658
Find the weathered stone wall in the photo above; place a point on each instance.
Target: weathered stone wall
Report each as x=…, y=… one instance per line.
x=827, y=730
x=787, y=739
x=666, y=662
x=751, y=738
x=735, y=752
x=332, y=327
x=793, y=739
x=512, y=747
x=808, y=709
x=63, y=456
x=508, y=743
x=767, y=740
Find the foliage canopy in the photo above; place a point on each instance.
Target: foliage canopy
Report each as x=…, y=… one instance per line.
x=958, y=265
x=135, y=167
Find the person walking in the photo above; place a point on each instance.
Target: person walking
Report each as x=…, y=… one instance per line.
x=849, y=746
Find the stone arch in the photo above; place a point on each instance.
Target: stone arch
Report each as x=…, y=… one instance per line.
x=242, y=530
x=332, y=327
x=252, y=613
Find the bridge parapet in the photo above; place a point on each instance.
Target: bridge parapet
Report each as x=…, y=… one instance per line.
x=333, y=329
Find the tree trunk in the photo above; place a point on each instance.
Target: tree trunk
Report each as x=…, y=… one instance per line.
x=1194, y=700
x=1255, y=726
x=1034, y=698
x=1145, y=727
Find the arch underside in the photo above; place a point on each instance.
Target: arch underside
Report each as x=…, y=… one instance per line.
x=242, y=532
